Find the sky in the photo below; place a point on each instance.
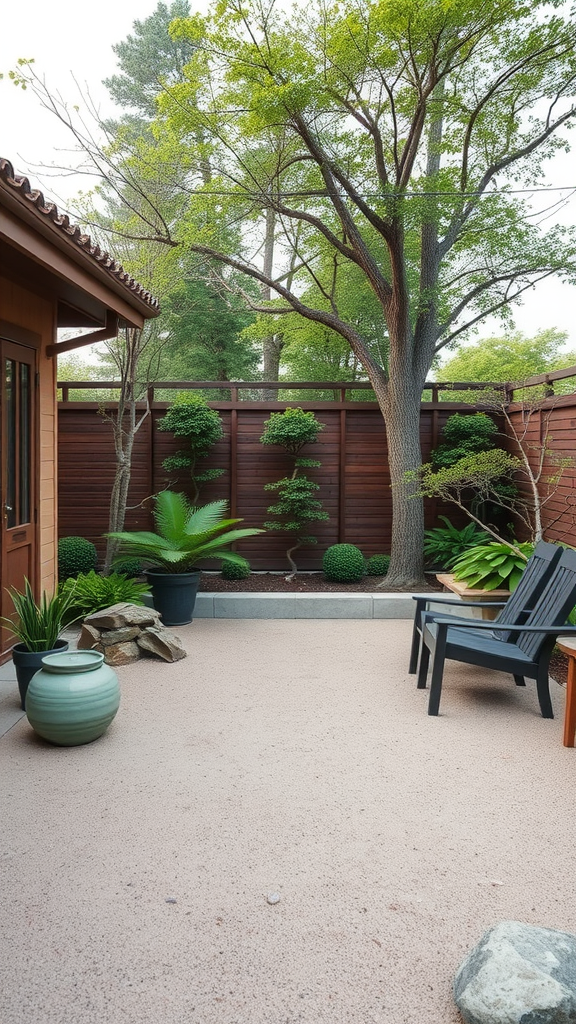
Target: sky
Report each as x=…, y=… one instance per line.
x=69, y=40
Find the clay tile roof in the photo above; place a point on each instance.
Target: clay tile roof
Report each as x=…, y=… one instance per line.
x=20, y=186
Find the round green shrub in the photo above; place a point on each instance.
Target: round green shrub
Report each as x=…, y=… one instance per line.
x=75, y=555
x=130, y=567
x=343, y=563
x=377, y=565
x=235, y=570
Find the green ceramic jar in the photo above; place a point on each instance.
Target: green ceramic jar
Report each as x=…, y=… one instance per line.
x=73, y=698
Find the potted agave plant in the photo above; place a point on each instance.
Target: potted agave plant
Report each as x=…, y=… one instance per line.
x=185, y=536
x=38, y=626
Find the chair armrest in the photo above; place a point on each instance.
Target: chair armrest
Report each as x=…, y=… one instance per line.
x=446, y=620
x=441, y=599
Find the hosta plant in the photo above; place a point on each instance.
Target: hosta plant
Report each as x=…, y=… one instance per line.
x=91, y=592
x=185, y=535
x=493, y=566
x=444, y=545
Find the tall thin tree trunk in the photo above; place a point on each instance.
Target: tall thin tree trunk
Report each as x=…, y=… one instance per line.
x=270, y=344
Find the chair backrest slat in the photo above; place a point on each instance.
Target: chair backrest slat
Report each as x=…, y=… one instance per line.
x=539, y=569
x=554, y=604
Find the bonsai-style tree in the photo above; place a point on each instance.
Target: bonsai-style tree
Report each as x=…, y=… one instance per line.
x=296, y=507
x=192, y=418
x=468, y=435
x=532, y=474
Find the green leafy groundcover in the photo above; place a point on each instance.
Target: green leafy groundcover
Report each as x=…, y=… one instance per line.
x=493, y=566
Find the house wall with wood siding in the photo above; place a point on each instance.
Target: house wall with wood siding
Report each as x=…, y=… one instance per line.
x=37, y=314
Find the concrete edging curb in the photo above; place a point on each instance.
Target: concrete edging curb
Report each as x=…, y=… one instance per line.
x=211, y=605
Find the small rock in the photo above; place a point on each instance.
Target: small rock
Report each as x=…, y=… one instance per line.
x=119, y=636
x=123, y=614
x=89, y=639
x=273, y=897
x=162, y=642
x=519, y=974
x=122, y=654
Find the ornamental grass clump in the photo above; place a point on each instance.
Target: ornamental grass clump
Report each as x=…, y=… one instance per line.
x=38, y=624
x=493, y=566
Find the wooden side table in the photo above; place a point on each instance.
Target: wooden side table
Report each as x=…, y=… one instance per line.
x=568, y=647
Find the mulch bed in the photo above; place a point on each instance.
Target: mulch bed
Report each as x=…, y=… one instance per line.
x=302, y=583
x=316, y=583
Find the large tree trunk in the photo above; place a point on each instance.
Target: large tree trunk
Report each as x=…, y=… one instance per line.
x=399, y=400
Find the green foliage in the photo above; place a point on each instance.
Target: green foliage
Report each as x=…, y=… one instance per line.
x=464, y=435
x=39, y=624
x=236, y=570
x=185, y=535
x=444, y=545
x=291, y=429
x=295, y=508
x=511, y=358
x=149, y=57
x=209, y=332
x=90, y=592
x=191, y=417
x=75, y=555
x=128, y=567
x=377, y=565
x=344, y=563
x=477, y=472
x=492, y=566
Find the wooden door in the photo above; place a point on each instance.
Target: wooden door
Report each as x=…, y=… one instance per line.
x=18, y=472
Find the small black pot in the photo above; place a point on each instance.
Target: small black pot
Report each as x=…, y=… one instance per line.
x=27, y=663
x=174, y=594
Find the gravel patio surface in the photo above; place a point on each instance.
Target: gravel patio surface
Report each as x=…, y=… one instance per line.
x=290, y=759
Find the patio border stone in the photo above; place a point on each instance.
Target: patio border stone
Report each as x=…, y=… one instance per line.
x=211, y=605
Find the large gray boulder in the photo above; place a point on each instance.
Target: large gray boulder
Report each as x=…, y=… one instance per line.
x=519, y=974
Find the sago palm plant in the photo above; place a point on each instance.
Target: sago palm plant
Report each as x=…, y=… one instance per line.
x=185, y=535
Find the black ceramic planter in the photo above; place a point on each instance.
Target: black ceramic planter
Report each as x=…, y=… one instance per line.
x=28, y=662
x=174, y=594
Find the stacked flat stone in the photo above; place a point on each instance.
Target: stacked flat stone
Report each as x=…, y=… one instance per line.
x=125, y=632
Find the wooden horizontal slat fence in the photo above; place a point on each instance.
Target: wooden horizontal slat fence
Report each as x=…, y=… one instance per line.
x=353, y=477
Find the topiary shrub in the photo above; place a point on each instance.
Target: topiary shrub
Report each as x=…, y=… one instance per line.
x=235, y=570
x=128, y=567
x=75, y=555
x=343, y=563
x=192, y=418
x=377, y=565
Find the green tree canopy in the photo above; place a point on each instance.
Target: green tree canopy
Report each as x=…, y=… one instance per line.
x=511, y=358
x=398, y=137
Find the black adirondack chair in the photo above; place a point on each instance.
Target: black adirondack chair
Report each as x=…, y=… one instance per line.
x=526, y=650
x=539, y=568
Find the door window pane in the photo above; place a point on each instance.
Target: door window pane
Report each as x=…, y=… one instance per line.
x=25, y=452
x=10, y=406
